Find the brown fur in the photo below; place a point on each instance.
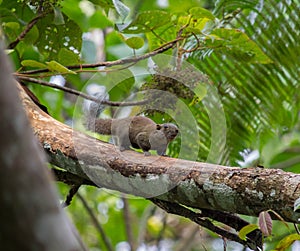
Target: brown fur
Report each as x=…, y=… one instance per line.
x=139, y=132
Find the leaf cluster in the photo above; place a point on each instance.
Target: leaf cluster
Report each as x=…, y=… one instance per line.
x=246, y=50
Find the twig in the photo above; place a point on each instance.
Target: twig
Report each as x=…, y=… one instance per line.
x=185, y=243
x=29, y=26
x=198, y=218
x=162, y=231
x=96, y=223
x=161, y=49
x=70, y=178
x=70, y=196
x=128, y=221
x=81, y=94
x=148, y=212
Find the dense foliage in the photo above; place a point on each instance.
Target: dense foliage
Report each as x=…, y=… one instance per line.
x=245, y=54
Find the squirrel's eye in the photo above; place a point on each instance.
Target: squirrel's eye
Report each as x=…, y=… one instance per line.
x=176, y=131
x=165, y=126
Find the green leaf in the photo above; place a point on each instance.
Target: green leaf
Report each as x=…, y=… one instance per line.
x=198, y=13
x=238, y=45
x=166, y=33
x=55, y=37
x=225, y=6
x=74, y=12
x=104, y=4
x=148, y=21
x=200, y=91
x=67, y=57
x=297, y=205
x=287, y=242
x=32, y=36
x=99, y=20
x=135, y=42
x=122, y=82
x=265, y=223
x=246, y=230
x=12, y=25
x=33, y=63
x=57, y=67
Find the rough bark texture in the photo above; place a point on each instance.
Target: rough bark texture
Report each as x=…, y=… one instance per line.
x=31, y=218
x=198, y=185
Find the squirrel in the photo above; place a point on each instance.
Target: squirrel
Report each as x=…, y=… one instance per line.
x=138, y=131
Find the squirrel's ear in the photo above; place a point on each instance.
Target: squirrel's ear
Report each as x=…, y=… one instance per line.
x=158, y=127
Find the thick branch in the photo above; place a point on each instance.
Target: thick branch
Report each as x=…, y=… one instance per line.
x=199, y=185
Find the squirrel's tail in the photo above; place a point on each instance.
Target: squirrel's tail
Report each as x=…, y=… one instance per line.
x=101, y=126
x=93, y=109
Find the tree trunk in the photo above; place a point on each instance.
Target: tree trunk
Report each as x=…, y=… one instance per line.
x=31, y=218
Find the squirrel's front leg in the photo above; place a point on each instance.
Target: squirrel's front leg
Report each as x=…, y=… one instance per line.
x=162, y=153
x=146, y=153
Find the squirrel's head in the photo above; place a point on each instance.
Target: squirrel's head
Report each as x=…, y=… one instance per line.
x=169, y=130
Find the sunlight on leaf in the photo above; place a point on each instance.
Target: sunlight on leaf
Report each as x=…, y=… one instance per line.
x=57, y=67
x=33, y=63
x=198, y=12
x=9, y=51
x=246, y=230
x=287, y=242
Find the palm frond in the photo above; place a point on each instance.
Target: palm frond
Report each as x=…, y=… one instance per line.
x=259, y=98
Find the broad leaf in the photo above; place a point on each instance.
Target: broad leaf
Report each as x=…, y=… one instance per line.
x=135, y=42
x=67, y=57
x=246, y=230
x=198, y=13
x=57, y=67
x=55, y=37
x=265, y=223
x=148, y=21
x=99, y=20
x=287, y=242
x=225, y=6
x=33, y=63
x=238, y=45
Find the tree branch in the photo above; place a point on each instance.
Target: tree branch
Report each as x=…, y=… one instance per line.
x=127, y=222
x=134, y=59
x=29, y=26
x=174, y=208
x=73, y=190
x=81, y=94
x=213, y=189
x=105, y=238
